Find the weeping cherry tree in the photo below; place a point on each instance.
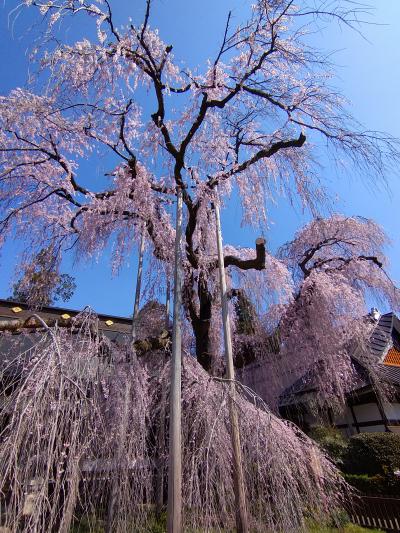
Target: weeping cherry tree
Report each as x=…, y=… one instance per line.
x=249, y=122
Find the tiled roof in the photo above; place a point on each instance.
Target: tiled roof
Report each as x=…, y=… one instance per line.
x=393, y=374
x=10, y=309
x=115, y=328
x=382, y=335
x=392, y=358
x=308, y=383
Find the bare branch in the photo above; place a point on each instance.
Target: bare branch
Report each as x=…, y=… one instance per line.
x=269, y=152
x=258, y=263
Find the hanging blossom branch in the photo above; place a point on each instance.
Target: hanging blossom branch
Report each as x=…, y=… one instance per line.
x=219, y=133
x=338, y=263
x=67, y=409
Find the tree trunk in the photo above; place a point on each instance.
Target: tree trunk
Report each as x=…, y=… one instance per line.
x=201, y=331
x=202, y=326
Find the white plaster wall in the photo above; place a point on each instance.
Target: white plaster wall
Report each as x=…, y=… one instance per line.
x=372, y=429
x=346, y=418
x=367, y=412
x=392, y=410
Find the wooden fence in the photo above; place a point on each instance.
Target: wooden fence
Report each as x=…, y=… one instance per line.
x=379, y=512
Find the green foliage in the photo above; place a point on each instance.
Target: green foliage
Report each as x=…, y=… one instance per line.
x=246, y=316
x=332, y=441
x=84, y=526
x=157, y=524
x=354, y=528
x=370, y=461
x=339, y=518
x=339, y=522
x=347, y=528
x=378, y=485
x=373, y=454
x=63, y=289
x=41, y=283
x=369, y=485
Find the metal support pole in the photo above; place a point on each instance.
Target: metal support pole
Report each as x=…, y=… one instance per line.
x=161, y=429
x=174, y=510
x=167, y=302
x=160, y=448
x=240, y=497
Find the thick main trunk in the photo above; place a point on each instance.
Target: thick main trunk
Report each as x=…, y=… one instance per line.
x=201, y=329
x=202, y=326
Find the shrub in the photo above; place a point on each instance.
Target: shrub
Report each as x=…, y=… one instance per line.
x=378, y=485
x=373, y=454
x=368, y=485
x=332, y=441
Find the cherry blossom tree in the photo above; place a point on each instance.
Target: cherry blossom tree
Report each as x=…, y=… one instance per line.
x=247, y=121
x=338, y=266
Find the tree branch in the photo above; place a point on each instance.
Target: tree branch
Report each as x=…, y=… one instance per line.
x=261, y=154
x=258, y=263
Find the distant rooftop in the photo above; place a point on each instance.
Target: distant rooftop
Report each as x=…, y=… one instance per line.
x=12, y=309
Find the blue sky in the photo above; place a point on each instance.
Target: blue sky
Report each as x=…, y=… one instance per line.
x=368, y=74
